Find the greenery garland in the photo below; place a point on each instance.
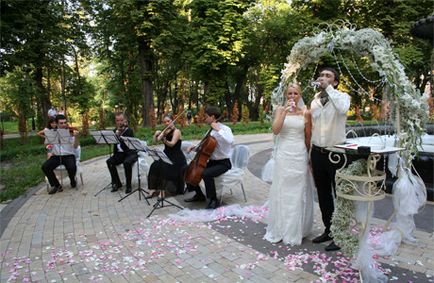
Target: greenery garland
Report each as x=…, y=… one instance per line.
x=374, y=46
x=344, y=228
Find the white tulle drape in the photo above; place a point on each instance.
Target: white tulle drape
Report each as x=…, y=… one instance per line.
x=207, y=215
x=409, y=195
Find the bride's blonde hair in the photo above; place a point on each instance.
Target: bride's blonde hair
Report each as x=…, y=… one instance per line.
x=294, y=85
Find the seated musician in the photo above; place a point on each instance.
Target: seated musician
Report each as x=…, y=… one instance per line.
x=122, y=155
x=62, y=154
x=166, y=177
x=219, y=161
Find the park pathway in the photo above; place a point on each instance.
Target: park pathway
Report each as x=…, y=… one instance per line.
x=73, y=236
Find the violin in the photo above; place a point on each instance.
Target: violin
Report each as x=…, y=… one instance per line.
x=72, y=130
x=168, y=129
x=121, y=130
x=165, y=132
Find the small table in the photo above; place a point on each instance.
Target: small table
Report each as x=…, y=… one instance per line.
x=367, y=188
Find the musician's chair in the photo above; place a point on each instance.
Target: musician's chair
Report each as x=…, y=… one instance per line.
x=61, y=169
x=234, y=177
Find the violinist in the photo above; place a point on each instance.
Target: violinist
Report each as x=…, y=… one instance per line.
x=219, y=161
x=51, y=125
x=166, y=177
x=62, y=154
x=122, y=155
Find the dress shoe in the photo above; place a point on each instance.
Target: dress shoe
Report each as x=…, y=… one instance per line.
x=332, y=247
x=196, y=197
x=115, y=187
x=73, y=184
x=54, y=189
x=128, y=190
x=323, y=238
x=213, y=204
x=153, y=194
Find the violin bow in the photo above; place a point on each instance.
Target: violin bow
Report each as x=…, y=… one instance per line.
x=173, y=121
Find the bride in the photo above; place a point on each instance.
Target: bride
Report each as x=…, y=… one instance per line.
x=291, y=200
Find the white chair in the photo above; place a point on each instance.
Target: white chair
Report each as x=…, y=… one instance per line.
x=188, y=155
x=234, y=177
x=61, y=169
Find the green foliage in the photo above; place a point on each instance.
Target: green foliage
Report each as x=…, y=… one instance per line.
x=226, y=50
x=16, y=92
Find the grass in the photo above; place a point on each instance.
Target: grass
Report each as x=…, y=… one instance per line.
x=11, y=127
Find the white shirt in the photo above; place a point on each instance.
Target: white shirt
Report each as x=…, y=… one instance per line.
x=224, y=138
x=329, y=120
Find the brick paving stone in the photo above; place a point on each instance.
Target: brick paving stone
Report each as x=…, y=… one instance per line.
x=174, y=271
x=156, y=269
x=75, y=220
x=193, y=272
x=184, y=278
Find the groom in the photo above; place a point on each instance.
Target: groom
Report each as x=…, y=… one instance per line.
x=329, y=115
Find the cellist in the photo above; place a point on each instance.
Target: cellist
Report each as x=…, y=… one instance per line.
x=219, y=161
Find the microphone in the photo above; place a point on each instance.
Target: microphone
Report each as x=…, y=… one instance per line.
x=315, y=84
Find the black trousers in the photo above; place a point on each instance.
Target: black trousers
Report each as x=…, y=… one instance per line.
x=324, y=173
x=214, y=168
x=53, y=162
x=128, y=160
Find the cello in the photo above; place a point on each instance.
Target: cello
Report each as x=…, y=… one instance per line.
x=193, y=174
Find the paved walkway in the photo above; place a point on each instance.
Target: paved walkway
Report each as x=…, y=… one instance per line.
x=73, y=236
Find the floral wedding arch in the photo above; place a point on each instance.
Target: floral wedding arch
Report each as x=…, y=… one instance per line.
x=409, y=115
x=409, y=109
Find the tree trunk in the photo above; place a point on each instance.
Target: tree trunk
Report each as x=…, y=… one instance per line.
x=44, y=102
x=63, y=86
x=145, y=61
x=77, y=71
x=101, y=118
x=22, y=125
x=228, y=101
x=85, y=124
x=48, y=84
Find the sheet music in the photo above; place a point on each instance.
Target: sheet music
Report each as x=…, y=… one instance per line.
x=110, y=137
x=157, y=154
x=154, y=153
x=58, y=136
x=105, y=137
x=97, y=136
x=135, y=143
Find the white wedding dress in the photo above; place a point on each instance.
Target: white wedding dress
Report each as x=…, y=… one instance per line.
x=290, y=202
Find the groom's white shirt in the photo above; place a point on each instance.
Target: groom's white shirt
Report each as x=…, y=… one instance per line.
x=329, y=120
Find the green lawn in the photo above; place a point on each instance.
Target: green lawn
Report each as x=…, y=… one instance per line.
x=11, y=127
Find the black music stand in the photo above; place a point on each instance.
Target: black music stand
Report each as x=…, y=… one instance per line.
x=136, y=144
x=109, y=138
x=158, y=154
